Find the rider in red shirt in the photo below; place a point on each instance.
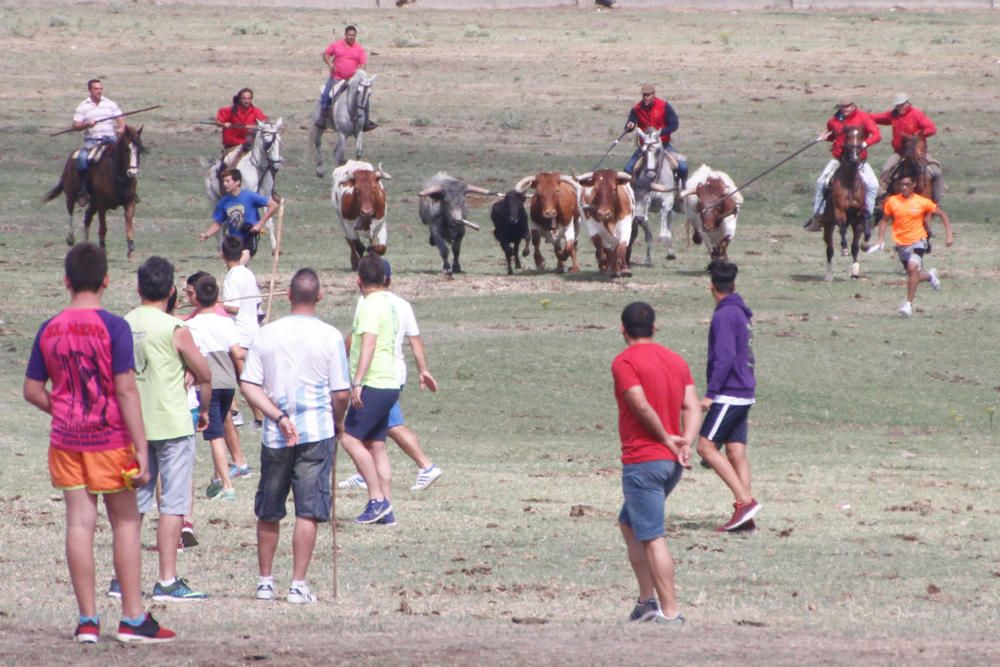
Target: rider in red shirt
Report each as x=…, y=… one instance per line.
x=237, y=119
x=343, y=57
x=652, y=112
x=848, y=115
x=907, y=120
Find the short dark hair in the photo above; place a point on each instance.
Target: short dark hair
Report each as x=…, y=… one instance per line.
x=371, y=270
x=232, y=248
x=92, y=82
x=206, y=291
x=304, y=288
x=723, y=276
x=638, y=319
x=233, y=173
x=196, y=276
x=349, y=29
x=86, y=266
x=156, y=277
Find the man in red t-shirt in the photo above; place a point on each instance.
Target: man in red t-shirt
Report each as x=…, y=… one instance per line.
x=343, y=58
x=656, y=400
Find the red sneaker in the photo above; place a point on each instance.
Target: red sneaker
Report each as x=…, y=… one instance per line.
x=741, y=514
x=149, y=632
x=87, y=632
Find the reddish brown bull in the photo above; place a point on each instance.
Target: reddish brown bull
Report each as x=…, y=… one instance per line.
x=359, y=198
x=608, y=204
x=555, y=213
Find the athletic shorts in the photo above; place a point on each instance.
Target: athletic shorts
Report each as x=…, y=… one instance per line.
x=726, y=423
x=305, y=471
x=98, y=472
x=222, y=400
x=914, y=250
x=396, y=414
x=646, y=487
x=173, y=462
x=371, y=421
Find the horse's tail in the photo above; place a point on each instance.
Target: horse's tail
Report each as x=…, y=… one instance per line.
x=54, y=192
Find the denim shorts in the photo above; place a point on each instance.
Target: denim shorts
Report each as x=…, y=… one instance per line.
x=371, y=421
x=222, y=400
x=646, y=487
x=305, y=471
x=173, y=461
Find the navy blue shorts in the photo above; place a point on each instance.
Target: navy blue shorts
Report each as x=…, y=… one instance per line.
x=646, y=487
x=372, y=421
x=222, y=400
x=726, y=423
x=304, y=470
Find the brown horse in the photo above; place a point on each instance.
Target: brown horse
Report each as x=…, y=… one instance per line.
x=913, y=164
x=845, y=203
x=110, y=182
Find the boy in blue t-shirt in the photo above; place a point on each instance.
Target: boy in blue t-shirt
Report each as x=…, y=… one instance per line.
x=237, y=213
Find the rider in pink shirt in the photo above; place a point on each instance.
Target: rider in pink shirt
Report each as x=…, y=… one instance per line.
x=343, y=57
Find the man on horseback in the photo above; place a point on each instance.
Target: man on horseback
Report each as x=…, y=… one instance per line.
x=95, y=117
x=907, y=120
x=236, y=120
x=652, y=112
x=848, y=115
x=343, y=58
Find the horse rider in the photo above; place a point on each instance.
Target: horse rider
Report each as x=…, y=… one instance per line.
x=343, y=58
x=907, y=120
x=238, y=121
x=95, y=116
x=652, y=112
x=847, y=115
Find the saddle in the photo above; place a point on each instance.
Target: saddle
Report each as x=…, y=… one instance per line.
x=94, y=153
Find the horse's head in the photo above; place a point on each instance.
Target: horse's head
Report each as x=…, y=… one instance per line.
x=652, y=150
x=267, y=144
x=853, y=145
x=914, y=148
x=131, y=140
x=361, y=89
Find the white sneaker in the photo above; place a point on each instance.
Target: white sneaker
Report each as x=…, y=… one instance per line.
x=265, y=592
x=906, y=310
x=355, y=481
x=300, y=595
x=934, y=280
x=426, y=477
x=237, y=417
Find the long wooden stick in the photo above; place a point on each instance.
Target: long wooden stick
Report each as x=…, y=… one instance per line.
x=274, y=259
x=333, y=511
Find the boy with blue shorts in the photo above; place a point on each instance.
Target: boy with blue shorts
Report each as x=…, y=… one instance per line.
x=656, y=400
x=98, y=445
x=730, y=394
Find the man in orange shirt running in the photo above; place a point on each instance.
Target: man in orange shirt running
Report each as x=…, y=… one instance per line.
x=910, y=214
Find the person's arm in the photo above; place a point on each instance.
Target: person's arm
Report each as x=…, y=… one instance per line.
x=368, y=341
x=949, y=238
x=635, y=399
x=633, y=119
x=339, y=400
x=926, y=125
x=417, y=348
x=671, y=120
x=127, y=394
x=36, y=393
x=208, y=233
x=883, y=223
x=723, y=354
x=328, y=59
x=874, y=135
x=884, y=118
x=272, y=206
x=119, y=125
x=197, y=365
x=238, y=356
x=690, y=424
x=257, y=398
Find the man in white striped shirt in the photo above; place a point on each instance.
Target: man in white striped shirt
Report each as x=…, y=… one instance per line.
x=296, y=373
x=94, y=117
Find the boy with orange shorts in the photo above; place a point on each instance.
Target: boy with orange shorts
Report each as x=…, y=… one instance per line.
x=97, y=445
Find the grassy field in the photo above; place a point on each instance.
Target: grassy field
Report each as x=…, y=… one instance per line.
x=874, y=442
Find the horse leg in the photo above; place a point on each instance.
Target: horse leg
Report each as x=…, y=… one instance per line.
x=129, y=227
x=842, y=228
x=338, y=151
x=636, y=222
x=828, y=239
x=316, y=139
x=359, y=144
x=87, y=217
x=855, y=245
x=667, y=229
x=647, y=237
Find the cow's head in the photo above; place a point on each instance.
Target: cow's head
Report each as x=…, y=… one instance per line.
x=548, y=185
x=713, y=204
x=368, y=197
x=513, y=202
x=601, y=194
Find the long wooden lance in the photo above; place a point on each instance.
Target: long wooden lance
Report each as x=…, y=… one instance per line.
x=101, y=120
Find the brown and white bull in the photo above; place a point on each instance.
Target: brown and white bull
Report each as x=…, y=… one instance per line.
x=712, y=202
x=555, y=216
x=608, y=204
x=359, y=198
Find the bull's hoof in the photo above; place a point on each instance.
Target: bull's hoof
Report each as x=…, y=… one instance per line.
x=574, y=269
x=560, y=269
x=843, y=252
x=828, y=278
x=70, y=239
x=626, y=274
x=103, y=247
x=510, y=271
x=131, y=247
x=671, y=256
x=696, y=238
x=855, y=270
x=320, y=173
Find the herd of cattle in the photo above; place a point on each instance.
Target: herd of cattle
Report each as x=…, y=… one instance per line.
x=604, y=201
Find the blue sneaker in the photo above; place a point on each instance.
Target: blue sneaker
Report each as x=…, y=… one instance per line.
x=374, y=510
x=115, y=590
x=178, y=591
x=388, y=520
x=236, y=472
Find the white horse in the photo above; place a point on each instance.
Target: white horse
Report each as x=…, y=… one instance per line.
x=654, y=184
x=350, y=110
x=258, y=167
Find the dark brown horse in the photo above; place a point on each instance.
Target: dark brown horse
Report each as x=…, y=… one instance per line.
x=845, y=204
x=110, y=182
x=913, y=164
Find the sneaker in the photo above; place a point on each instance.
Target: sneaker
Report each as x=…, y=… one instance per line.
x=426, y=477
x=188, y=538
x=677, y=621
x=214, y=488
x=374, y=510
x=906, y=310
x=236, y=472
x=265, y=592
x=387, y=520
x=355, y=481
x=741, y=514
x=934, y=280
x=227, y=494
x=149, y=632
x=237, y=417
x=87, y=632
x=814, y=224
x=114, y=590
x=257, y=424
x=645, y=610
x=178, y=591
x=299, y=595
x=749, y=528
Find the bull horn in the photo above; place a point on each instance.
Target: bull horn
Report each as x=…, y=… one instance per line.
x=382, y=174
x=624, y=176
x=475, y=189
x=583, y=177
x=658, y=187
x=470, y=224
x=433, y=190
x=523, y=184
